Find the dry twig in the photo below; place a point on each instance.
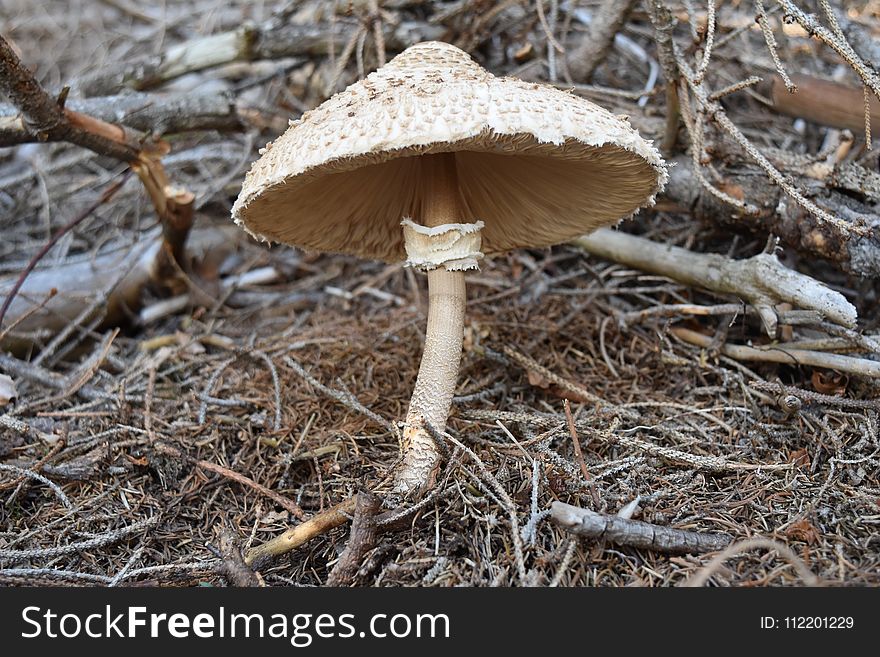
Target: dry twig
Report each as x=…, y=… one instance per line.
x=634, y=533
x=364, y=532
x=282, y=501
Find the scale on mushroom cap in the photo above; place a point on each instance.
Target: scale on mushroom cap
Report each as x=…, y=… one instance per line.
x=434, y=161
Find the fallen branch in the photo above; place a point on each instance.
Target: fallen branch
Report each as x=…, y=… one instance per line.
x=607, y=20
x=831, y=229
x=664, y=26
x=760, y=280
x=148, y=113
x=113, y=283
x=634, y=533
x=46, y=119
x=811, y=396
x=837, y=42
x=785, y=356
x=821, y=101
x=100, y=540
x=832, y=170
x=19, y=426
x=232, y=565
x=302, y=533
x=31, y=473
x=337, y=515
x=31, y=372
x=250, y=42
x=362, y=539
x=776, y=214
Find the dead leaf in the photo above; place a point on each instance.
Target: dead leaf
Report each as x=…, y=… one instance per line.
x=142, y=461
x=803, y=530
x=829, y=382
x=275, y=516
x=538, y=380
x=800, y=457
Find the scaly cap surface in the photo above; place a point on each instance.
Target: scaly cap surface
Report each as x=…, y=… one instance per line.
x=538, y=165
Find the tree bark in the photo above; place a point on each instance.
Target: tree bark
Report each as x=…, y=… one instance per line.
x=364, y=532
x=823, y=102
x=146, y=113
x=761, y=280
x=634, y=533
x=781, y=216
x=248, y=43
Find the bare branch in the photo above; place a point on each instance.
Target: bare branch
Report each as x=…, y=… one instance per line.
x=272, y=40
x=634, y=533
x=840, y=46
x=840, y=243
x=761, y=280
x=664, y=24
x=364, y=532
x=144, y=112
x=772, y=46
x=302, y=533
x=608, y=19
x=783, y=355
x=45, y=119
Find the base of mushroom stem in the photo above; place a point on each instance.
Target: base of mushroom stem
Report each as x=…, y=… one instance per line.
x=417, y=471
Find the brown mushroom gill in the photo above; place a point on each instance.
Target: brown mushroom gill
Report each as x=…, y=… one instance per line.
x=532, y=198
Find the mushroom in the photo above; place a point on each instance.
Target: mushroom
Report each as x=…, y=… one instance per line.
x=433, y=160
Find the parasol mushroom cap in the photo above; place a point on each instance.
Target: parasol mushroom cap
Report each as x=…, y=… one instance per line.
x=538, y=165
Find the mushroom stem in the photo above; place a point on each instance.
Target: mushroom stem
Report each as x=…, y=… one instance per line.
x=438, y=372
x=435, y=385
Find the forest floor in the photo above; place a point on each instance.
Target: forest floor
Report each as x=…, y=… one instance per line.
x=294, y=387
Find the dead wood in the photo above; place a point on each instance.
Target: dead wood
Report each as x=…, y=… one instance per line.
x=27, y=371
x=607, y=20
x=113, y=283
x=761, y=280
x=296, y=536
x=147, y=113
x=46, y=119
x=362, y=539
x=232, y=565
x=634, y=533
x=822, y=101
x=787, y=356
x=664, y=25
x=250, y=42
x=856, y=251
